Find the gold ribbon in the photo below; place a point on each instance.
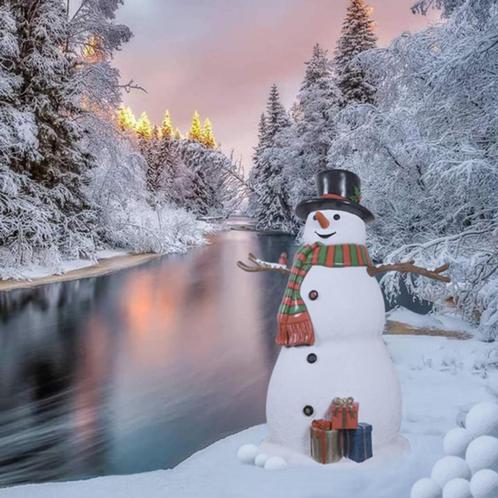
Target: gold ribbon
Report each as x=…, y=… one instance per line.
x=343, y=404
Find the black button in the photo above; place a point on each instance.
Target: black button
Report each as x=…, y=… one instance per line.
x=311, y=358
x=308, y=410
x=313, y=295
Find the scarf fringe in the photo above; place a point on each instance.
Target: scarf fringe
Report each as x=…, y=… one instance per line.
x=295, y=330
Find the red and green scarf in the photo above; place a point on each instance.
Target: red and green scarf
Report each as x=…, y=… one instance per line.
x=294, y=322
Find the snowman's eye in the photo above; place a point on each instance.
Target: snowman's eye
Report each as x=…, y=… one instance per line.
x=337, y=217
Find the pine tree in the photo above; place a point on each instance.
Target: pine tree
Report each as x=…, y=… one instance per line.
x=316, y=109
x=178, y=134
x=255, y=176
x=126, y=119
x=169, y=187
x=195, y=132
x=144, y=127
x=208, y=138
x=167, y=130
x=45, y=73
x=276, y=116
x=357, y=36
x=202, y=196
x=272, y=210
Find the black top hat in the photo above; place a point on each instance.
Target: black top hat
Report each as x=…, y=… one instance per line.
x=337, y=189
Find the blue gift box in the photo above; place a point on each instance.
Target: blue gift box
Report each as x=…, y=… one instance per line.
x=357, y=443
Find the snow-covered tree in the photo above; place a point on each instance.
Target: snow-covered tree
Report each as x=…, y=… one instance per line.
x=47, y=215
x=144, y=128
x=256, y=173
x=127, y=217
x=315, y=114
x=195, y=132
x=208, y=138
x=126, y=119
x=357, y=36
x=167, y=129
x=93, y=35
x=427, y=155
x=447, y=6
x=273, y=207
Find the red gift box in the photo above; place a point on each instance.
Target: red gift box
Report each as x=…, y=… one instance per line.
x=343, y=413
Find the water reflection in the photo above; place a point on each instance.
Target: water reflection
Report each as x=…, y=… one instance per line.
x=137, y=370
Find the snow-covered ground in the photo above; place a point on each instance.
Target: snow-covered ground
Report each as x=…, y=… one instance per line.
x=33, y=272
x=439, y=321
x=441, y=378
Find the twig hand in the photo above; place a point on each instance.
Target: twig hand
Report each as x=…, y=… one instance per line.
x=409, y=267
x=259, y=265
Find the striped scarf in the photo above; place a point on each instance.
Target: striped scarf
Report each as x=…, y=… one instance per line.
x=294, y=322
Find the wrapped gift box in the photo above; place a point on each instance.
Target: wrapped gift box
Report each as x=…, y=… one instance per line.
x=357, y=443
x=326, y=443
x=344, y=413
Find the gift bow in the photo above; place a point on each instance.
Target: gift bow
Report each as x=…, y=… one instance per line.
x=343, y=402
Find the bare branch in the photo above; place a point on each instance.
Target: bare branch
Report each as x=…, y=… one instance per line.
x=131, y=85
x=259, y=265
x=409, y=267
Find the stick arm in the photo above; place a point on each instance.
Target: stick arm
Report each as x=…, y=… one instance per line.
x=260, y=265
x=409, y=267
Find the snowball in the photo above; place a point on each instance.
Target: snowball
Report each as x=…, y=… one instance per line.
x=456, y=441
x=484, y=484
x=457, y=488
x=448, y=468
x=247, y=453
x=275, y=463
x=482, y=419
x=482, y=453
x=426, y=488
x=260, y=460
x=460, y=418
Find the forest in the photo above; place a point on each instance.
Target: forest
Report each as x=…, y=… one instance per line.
x=417, y=120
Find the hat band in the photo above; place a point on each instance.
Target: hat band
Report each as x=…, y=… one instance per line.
x=334, y=196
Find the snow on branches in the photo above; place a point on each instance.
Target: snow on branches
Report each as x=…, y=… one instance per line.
x=427, y=155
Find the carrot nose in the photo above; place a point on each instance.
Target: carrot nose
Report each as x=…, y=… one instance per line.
x=322, y=219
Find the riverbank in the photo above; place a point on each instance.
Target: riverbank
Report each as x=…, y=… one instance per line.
x=107, y=262
x=440, y=379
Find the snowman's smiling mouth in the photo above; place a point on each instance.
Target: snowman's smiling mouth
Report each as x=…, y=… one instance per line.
x=325, y=235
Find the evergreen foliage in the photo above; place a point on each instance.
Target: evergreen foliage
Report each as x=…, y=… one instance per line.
x=195, y=132
x=167, y=130
x=272, y=208
x=314, y=127
x=357, y=36
x=208, y=138
x=427, y=156
x=43, y=213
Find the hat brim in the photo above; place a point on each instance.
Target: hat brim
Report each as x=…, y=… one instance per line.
x=304, y=208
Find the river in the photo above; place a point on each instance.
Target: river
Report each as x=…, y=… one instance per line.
x=137, y=370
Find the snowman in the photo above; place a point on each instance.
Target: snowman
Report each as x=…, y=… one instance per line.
x=330, y=324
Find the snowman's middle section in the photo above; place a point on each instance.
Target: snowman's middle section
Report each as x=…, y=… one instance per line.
x=344, y=303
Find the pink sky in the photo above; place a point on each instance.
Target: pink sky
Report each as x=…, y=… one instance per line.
x=220, y=57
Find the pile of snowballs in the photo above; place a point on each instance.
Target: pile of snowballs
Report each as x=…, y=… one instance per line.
x=249, y=453
x=470, y=467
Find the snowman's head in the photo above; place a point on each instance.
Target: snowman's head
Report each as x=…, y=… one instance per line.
x=331, y=226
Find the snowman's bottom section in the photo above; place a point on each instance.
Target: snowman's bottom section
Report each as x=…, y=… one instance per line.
x=300, y=391
x=396, y=448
